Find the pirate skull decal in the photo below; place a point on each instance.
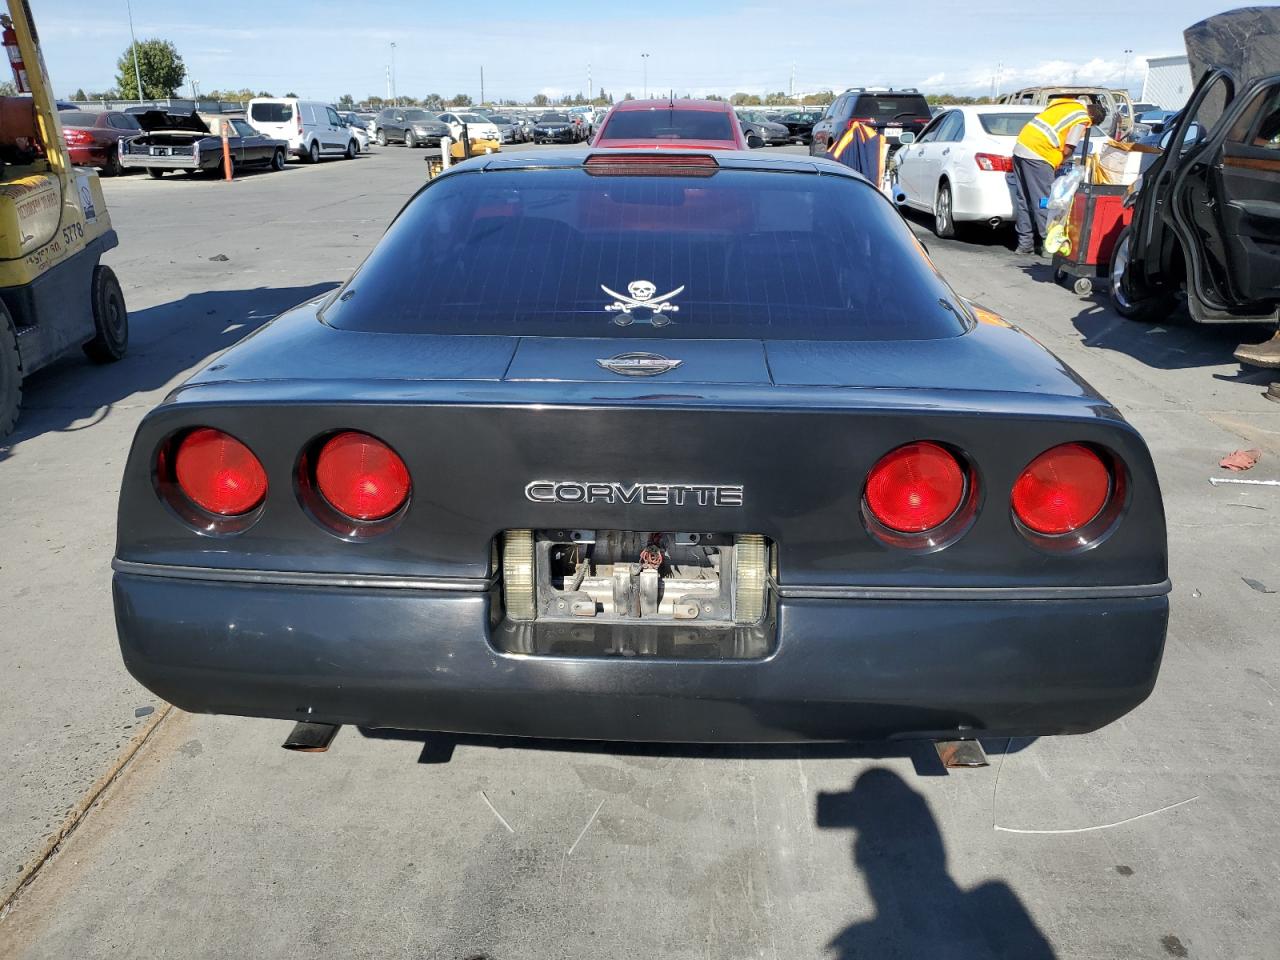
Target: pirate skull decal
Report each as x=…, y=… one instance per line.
x=640, y=296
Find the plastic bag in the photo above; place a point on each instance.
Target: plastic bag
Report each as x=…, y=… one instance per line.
x=1063, y=192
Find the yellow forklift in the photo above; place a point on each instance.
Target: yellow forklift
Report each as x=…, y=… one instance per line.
x=55, y=295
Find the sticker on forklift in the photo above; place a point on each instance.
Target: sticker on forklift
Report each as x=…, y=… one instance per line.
x=86, y=198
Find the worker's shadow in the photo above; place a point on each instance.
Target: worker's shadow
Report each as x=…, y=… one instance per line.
x=920, y=911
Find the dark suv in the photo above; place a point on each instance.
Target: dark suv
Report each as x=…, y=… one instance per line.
x=891, y=112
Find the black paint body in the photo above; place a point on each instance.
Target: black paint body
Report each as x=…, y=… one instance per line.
x=992, y=633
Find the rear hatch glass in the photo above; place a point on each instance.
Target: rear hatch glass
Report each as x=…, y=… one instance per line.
x=270, y=115
x=663, y=124
x=733, y=255
x=885, y=108
x=1005, y=124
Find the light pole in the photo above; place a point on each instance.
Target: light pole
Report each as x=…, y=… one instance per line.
x=1125, y=82
x=137, y=74
x=395, y=101
x=644, y=64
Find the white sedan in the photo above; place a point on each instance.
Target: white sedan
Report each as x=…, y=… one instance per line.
x=956, y=168
x=478, y=127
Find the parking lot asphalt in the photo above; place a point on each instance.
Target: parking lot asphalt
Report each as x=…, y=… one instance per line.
x=1154, y=837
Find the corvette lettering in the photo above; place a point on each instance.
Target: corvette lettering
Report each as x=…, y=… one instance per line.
x=647, y=494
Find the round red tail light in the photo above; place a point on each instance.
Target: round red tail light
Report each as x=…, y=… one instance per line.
x=1061, y=490
x=218, y=473
x=361, y=477
x=915, y=488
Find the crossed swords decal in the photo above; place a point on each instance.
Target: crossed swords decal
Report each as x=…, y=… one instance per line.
x=642, y=297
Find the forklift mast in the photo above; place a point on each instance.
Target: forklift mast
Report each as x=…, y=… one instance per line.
x=22, y=44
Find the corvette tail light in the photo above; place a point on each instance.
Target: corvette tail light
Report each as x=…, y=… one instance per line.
x=915, y=488
x=993, y=162
x=1061, y=490
x=218, y=473
x=361, y=477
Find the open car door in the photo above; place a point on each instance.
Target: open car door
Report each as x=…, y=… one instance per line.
x=1247, y=181
x=1227, y=199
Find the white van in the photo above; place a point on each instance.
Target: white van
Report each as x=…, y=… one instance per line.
x=312, y=128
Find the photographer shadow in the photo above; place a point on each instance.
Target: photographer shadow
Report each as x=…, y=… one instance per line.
x=920, y=910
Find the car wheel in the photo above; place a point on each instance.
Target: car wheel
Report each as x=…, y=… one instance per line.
x=110, y=318
x=944, y=223
x=351, y=150
x=155, y=173
x=278, y=160
x=313, y=152
x=380, y=136
x=10, y=373
x=410, y=139
x=112, y=167
x=1125, y=298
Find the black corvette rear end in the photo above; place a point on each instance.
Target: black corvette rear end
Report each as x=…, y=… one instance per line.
x=734, y=538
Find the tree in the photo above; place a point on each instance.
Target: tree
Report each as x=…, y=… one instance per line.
x=745, y=100
x=541, y=100
x=779, y=97
x=159, y=64
x=715, y=96
x=460, y=100
x=79, y=94
x=433, y=101
x=822, y=97
x=7, y=89
x=291, y=94
x=346, y=102
x=628, y=95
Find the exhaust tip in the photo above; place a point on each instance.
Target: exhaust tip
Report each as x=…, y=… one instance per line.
x=959, y=754
x=311, y=737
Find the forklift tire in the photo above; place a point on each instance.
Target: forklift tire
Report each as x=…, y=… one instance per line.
x=10, y=374
x=110, y=318
x=155, y=173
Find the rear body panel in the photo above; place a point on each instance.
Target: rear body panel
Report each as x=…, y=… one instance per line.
x=408, y=629
x=731, y=468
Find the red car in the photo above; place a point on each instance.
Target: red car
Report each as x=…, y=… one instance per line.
x=92, y=138
x=679, y=124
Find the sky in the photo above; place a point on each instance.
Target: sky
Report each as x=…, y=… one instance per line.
x=320, y=49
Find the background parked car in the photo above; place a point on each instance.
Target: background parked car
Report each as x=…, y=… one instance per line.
x=192, y=143
x=554, y=128
x=800, y=124
x=704, y=124
x=956, y=169
x=757, y=124
x=890, y=112
x=1115, y=102
x=92, y=138
x=478, y=127
x=356, y=126
x=413, y=128
x=510, y=131
x=311, y=128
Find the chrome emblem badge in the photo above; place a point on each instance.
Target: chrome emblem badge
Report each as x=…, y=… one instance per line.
x=639, y=364
x=640, y=296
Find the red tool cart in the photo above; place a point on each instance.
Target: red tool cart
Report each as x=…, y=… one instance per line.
x=1098, y=214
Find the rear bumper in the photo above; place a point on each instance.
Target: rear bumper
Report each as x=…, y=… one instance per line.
x=96, y=155
x=983, y=197
x=134, y=161
x=842, y=670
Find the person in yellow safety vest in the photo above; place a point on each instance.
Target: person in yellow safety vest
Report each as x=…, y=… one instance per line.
x=1043, y=146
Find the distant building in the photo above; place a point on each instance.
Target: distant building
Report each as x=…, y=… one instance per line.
x=1168, y=82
